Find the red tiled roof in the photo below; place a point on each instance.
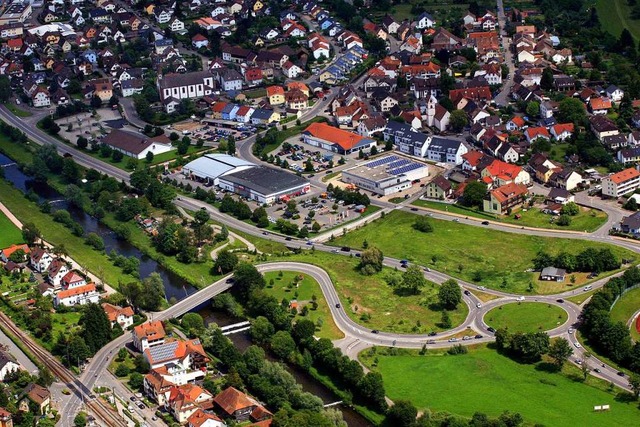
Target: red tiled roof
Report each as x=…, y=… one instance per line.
x=562, y=127
x=150, y=330
x=624, y=175
x=11, y=249
x=536, y=132
x=275, y=90
x=473, y=157
x=76, y=291
x=346, y=140
x=232, y=400
x=600, y=103
x=509, y=191
x=113, y=311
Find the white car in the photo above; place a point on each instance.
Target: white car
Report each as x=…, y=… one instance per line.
x=570, y=330
x=577, y=345
x=478, y=305
x=520, y=298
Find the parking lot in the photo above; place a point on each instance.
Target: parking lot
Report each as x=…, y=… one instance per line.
x=91, y=127
x=211, y=132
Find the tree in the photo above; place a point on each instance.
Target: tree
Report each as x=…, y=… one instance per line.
x=570, y=209
x=371, y=261
x=634, y=383
x=572, y=110
x=371, y=388
x=136, y=381
x=94, y=241
x=458, y=120
x=445, y=320
x=474, y=193
x=564, y=220
x=231, y=146
x=283, y=345
x=225, y=262
x=559, y=351
x=546, y=82
x=402, y=414
x=5, y=88
x=80, y=420
x=412, y=281
x=149, y=156
x=122, y=370
x=261, y=330
x=533, y=109
x=631, y=205
x=423, y=224
x=201, y=216
x=247, y=279
x=152, y=292
x=30, y=233
x=77, y=351
x=70, y=171
x=96, y=327
x=449, y=295
x=82, y=142
x=193, y=323
x=96, y=102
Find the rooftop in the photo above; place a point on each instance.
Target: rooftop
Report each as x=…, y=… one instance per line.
x=266, y=180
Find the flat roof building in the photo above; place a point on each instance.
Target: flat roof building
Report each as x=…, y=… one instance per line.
x=210, y=167
x=386, y=175
x=264, y=184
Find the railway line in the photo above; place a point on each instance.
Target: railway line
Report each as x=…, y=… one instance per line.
x=101, y=410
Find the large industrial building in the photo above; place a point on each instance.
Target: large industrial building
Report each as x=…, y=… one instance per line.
x=386, y=175
x=262, y=184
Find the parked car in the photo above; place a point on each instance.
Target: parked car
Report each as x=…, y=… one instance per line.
x=485, y=222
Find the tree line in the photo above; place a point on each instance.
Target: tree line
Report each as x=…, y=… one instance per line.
x=591, y=259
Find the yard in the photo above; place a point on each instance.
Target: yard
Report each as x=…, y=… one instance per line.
x=491, y=258
x=368, y=300
x=625, y=307
x=526, y=317
x=586, y=220
x=17, y=111
x=283, y=288
x=488, y=382
x=9, y=233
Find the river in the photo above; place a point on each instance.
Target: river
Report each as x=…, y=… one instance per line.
x=242, y=341
x=174, y=286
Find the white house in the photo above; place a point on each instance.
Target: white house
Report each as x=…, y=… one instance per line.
x=176, y=25
x=8, y=364
x=120, y=315
x=149, y=334
x=614, y=93
x=56, y=271
x=164, y=16
x=40, y=259
x=137, y=145
x=425, y=21
x=291, y=70
x=77, y=296
x=40, y=98
x=185, y=86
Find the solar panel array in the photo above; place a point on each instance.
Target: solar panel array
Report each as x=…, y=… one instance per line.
x=398, y=163
x=164, y=351
x=405, y=169
x=382, y=161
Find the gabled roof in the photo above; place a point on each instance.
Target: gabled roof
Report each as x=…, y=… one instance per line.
x=150, y=330
x=76, y=291
x=346, y=140
x=624, y=175
x=231, y=400
x=113, y=311
x=509, y=191
x=11, y=249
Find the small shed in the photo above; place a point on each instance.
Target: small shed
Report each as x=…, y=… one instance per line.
x=553, y=274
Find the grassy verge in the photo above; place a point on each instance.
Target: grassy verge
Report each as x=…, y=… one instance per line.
x=9, y=233
x=330, y=176
x=624, y=308
x=488, y=382
x=579, y=299
x=586, y=220
x=21, y=153
x=369, y=301
x=492, y=258
x=285, y=134
x=526, y=317
x=56, y=234
x=283, y=288
x=17, y=111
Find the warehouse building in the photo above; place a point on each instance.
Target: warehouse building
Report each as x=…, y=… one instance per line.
x=338, y=140
x=264, y=185
x=210, y=167
x=386, y=175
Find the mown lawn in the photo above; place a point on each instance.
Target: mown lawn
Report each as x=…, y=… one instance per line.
x=65, y=322
x=56, y=234
x=368, y=300
x=283, y=288
x=17, y=111
x=624, y=308
x=488, y=382
x=9, y=233
x=615, y=15
x=586, y=220
x=498, y=259
x=526, y=317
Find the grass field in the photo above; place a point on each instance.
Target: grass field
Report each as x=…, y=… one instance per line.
x=526, y=317
x=21, y=153
x=488, y=382
x=624, y=308
x=9, y=233
x=615, y=15
x=369, y=301
x=586, y=220
x=579, y=299
x=307, y=288
x=17, y=111
x=498, y=259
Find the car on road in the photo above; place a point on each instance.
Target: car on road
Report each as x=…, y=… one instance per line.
x=142, y=406
x=620, y=373
x=570, y=330
x=466, y=292
x=482, y=288
x=309, y=242
x=431, y=341
x=485, y=222
x=433, y=333
x=453, y=339
x=579, y=362
x=491, y=329
x=338, y=305
x=520, y=298
x=229, y=280
x=456, y=220
x=478, y=305
x=577, y=345
x=414, y=209
x=560, y=300
x=597, y=370
x=375, y=331
x=478, y=336
x=466, y=338
x=288, y=239
x=265, y=233
x=345, y=249
x=132, y=398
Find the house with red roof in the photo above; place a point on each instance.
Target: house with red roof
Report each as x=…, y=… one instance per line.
x=120, y=315
x=148, y=335
x=186, y=399
x=534, y=133
x=233, y=403
x=40, y=259
x=502, y=173
x=243, y=115
x=72, y=280
x=56, y=271
x=275, y=95
x=199, y=41
x=515, y=123
x=471, y=159
x=621, y=183
x=205, y=419
x=216, y=109
x=562, y=131
x=80, y=295
x=333, y=139
x=599, y=105
x=505, y=198
x=7, y=252
x=253, y=76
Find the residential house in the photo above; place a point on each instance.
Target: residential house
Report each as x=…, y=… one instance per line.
x=296, y=100
x=533, y=133
x=275, y=95
x=6, y=253
x=471, y=160
x=614, y=93
x=562, y=131
x=8, y=364
x=603, y=127
x=502, y=173
x=40, y=259
x=446, y=150
x=204, y=419
x=40, y=97
x=372, y=125
x=505, y=198
x=235, y=404
x=137, y=145
x=291, y=70
x=631, y=224
x=621, y=183
x=553, y=274
x=406, y=139
x=599, y=106
x=567, y=179
x=439, y=188
x=147, y=335
x=79, y=295
x=425, y=20
x=184, y=359
x=229, y=79
x=199, y=41
x=515, y=123
x=186, y=399
x=56, y=271
x=6, y=418
x=120, y=315
x=37, y=394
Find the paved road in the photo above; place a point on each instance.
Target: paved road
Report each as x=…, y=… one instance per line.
x=22, y=358
x=503, y=96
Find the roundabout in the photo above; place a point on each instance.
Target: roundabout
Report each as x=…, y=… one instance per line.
x=526, y=317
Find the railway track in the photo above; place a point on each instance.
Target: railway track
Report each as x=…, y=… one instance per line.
x=101, y=410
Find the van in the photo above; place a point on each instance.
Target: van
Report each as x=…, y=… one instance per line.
x=588, y=288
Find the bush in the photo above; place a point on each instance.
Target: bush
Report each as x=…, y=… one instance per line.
x=564, y=220
x=458, y=349
x=423, y=224
x=122, y=370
